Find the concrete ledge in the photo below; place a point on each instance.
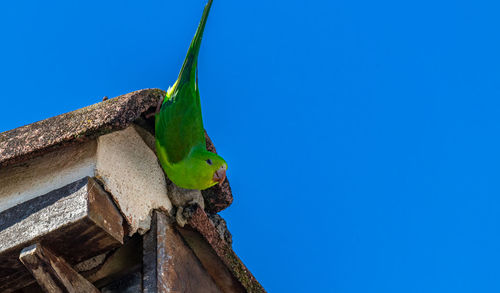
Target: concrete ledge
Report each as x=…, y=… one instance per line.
x=130, y=172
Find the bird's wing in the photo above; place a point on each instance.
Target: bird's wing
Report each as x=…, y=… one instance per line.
x=179, y=125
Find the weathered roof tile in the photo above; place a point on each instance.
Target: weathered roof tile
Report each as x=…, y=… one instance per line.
x=28, y=141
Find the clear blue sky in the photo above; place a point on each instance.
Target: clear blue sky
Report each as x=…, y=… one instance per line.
x=362, y=136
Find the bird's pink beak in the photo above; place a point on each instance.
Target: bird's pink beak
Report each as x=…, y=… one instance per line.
x=220, y=175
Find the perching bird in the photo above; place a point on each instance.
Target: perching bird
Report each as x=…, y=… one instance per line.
x=180, y=137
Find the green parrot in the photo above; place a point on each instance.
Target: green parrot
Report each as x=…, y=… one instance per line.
x=180, y=136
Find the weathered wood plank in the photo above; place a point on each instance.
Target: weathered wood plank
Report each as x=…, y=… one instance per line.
x=53, y=273
x=211, y=262
x=39, y=270
x=169, y=265
x=77, y=222
x=216, y=255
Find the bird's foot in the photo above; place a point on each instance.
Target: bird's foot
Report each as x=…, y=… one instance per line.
x=186, y=201
x=184, y=213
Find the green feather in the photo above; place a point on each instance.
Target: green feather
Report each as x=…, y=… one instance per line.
x=180, y=136
x=180, y=122
x=189, y=68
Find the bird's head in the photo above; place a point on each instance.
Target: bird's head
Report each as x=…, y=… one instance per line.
x=217, y=167
x=208, y=168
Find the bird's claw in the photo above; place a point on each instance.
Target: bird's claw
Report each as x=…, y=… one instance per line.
x=186, y=212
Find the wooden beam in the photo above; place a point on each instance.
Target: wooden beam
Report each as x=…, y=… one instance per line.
x=211, y=261
x=168, y=263
x=216, y=255
x=77, y=222
x=53, y=274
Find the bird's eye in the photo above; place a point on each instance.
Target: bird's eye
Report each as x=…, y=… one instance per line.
x=209, y=161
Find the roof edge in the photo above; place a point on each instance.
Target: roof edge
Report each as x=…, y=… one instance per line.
x=32, y=140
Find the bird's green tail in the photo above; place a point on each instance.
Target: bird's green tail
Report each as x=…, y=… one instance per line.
x=188, y=70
